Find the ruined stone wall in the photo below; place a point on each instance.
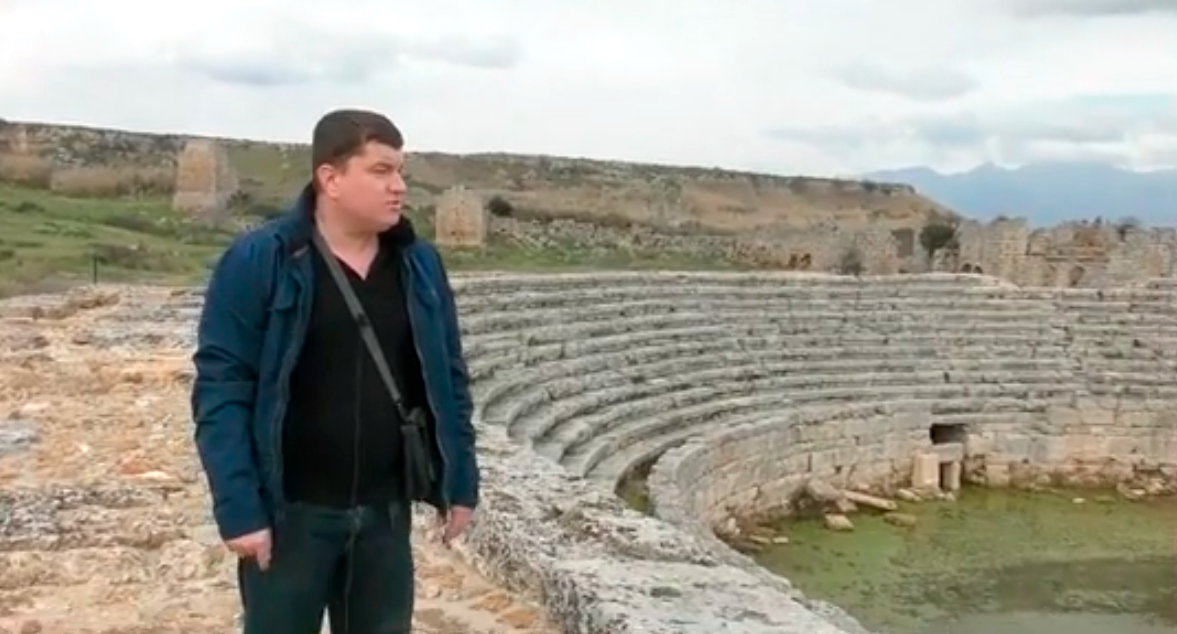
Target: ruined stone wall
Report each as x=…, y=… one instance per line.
x=818, y=249
x=205, y=180
x=1075, y=254
x=461, y=219
x=1062, y=257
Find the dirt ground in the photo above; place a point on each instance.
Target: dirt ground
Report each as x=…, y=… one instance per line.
x=105, y=522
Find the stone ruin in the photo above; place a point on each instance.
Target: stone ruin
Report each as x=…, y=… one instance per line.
x=461, y=219
x=1073, y=254
x=1079, y=255
x=205, y=180
x=735, y=391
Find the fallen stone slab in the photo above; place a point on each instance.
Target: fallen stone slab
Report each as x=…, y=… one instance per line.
x=16, y=434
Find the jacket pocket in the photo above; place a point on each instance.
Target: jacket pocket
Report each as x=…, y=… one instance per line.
x=285, y=296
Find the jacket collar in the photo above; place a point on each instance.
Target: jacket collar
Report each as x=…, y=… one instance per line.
x=295, y=227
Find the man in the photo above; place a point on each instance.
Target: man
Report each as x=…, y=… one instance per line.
x=298, y=435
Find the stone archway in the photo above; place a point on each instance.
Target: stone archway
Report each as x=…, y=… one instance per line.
x=1075, y=276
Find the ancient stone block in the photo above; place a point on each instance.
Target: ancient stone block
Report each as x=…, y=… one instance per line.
x=205, y=180
x=950, y=476
x=925, y=471
x=461, y=219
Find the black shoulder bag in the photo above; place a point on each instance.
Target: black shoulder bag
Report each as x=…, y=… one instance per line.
x=420, y=473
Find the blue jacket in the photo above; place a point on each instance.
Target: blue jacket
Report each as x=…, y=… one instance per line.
x=251, y=330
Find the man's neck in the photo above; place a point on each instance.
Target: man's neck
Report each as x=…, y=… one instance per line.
x=344, y=239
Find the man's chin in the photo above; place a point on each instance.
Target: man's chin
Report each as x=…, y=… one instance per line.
x=390, y=219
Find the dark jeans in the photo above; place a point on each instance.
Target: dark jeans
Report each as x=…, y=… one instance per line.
x=356, y=564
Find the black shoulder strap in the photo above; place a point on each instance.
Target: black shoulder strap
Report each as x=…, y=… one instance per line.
x=367, y=333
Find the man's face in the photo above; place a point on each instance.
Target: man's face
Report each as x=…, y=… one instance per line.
x=370, y=187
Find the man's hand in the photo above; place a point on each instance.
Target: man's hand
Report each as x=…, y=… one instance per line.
x=454, y=524
x=256, y=546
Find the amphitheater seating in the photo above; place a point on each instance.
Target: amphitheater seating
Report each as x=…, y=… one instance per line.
x=601, y=374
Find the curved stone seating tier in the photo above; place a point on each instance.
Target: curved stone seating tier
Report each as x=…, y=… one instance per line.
x=742, y=385
x=737, y=387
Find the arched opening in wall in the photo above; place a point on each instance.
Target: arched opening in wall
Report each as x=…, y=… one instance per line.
x=977, y=270
x=966, y=268
x=943, y=434
x=793, y=262
x=806, y=262
x=1075, y=276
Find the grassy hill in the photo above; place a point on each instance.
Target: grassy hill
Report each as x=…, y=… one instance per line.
x=51, y=241
x=77, y=200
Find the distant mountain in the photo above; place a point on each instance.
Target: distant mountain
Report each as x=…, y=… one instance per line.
x=1048, y=193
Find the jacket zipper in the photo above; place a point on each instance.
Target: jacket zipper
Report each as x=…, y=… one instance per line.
x=287, y=368
x=413, y=322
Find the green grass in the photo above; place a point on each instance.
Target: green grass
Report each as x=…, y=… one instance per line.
x=49, y=242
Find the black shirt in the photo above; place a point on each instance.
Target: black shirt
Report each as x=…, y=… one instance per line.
x=341, y=440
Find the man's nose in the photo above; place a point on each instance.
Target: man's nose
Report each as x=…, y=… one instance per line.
x=397, y=184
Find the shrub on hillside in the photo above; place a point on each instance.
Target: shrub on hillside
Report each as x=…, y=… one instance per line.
x=110, y=182
x=26, y=171
x=851, y=262
x=937, y=235
x=500, y=207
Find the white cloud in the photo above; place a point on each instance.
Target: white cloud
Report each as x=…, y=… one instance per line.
x=790, y=86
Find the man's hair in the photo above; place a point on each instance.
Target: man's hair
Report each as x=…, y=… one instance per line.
x=342, y=134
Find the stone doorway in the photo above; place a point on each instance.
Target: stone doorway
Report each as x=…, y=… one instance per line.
x=940, y=466
x=944, y=434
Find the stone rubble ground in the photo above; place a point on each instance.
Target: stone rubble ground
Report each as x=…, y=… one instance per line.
x=104, y=515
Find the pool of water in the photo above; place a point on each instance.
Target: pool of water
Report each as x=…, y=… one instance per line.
x=1043, y=622
x=995, y=562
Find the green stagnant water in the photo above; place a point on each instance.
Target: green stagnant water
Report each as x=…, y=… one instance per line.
x=996, y=562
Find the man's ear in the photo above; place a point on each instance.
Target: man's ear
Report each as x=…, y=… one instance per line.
x=326, y=179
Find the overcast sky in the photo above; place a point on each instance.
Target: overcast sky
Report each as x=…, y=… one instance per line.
x=787, y=86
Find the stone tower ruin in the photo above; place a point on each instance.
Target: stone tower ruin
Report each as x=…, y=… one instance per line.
x=461, y=218
x=205, y=180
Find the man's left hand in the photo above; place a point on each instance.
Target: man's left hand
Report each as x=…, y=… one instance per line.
x=454, y=524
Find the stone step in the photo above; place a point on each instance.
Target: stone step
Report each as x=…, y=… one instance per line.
x=785, y=374
x=583, y=458
x=746, y=324
x=676, y=425
x=995, y=421
x=918, y=344
x=612, y=467
x=1130, y=391
x=642, y=364
x=783, y=297
x=565, y=282
x=750, y=325
x=566, y=426
x=836, y=317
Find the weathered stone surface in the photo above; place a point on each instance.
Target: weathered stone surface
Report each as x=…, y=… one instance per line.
x=15, y=434
x=739, y=388
x=205, y=179
x=104, y=521
x=461, y=219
